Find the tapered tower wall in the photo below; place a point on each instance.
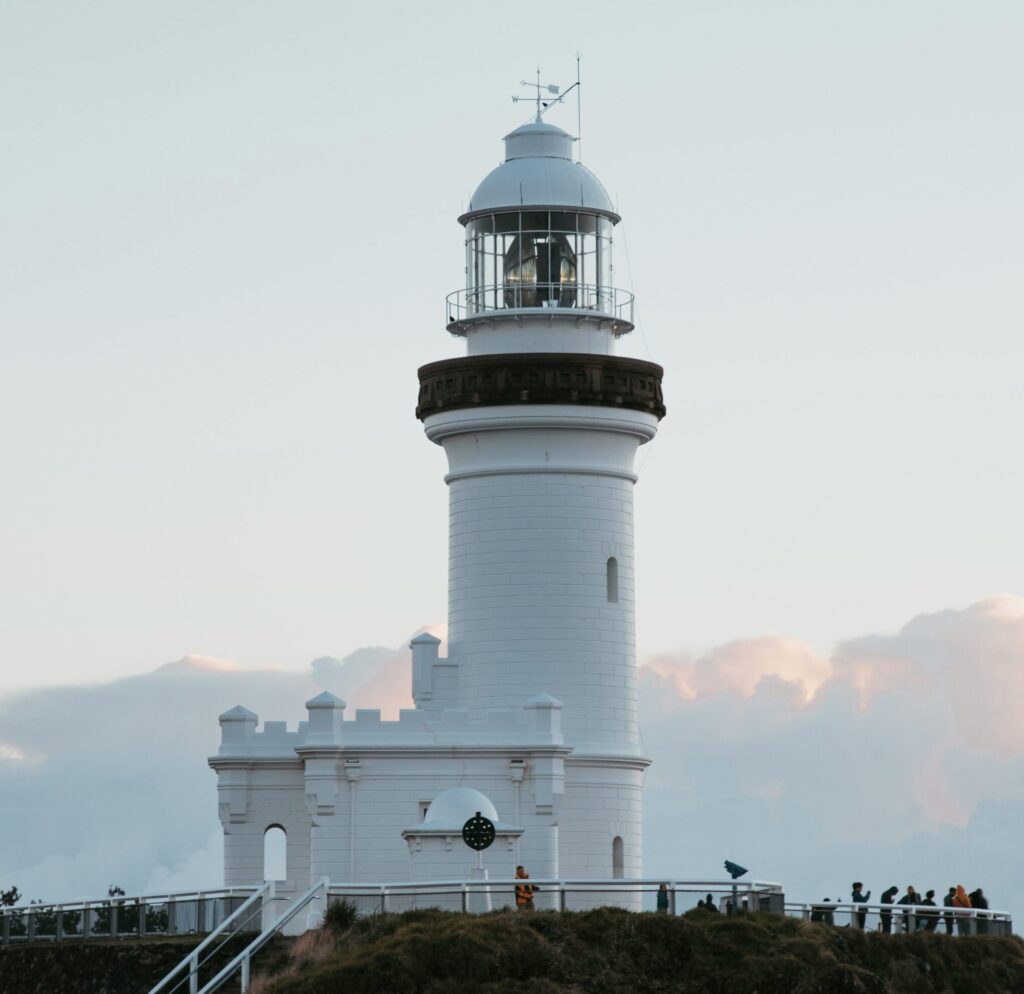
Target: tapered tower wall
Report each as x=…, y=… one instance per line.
x=541, y=591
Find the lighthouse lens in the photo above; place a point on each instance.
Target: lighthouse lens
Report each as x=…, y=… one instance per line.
x=537, y=258
x=540, y=271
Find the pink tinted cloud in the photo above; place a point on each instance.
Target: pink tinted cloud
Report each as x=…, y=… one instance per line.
x=968, y=661
x=741, y=667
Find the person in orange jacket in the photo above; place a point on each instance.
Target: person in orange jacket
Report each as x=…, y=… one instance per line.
x=524, y=892
x=961, y=900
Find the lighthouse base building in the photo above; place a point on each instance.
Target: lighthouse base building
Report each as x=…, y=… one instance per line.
x=531, y=718
x=367, y=800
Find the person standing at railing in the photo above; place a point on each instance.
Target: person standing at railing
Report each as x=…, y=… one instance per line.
x=929, y=919
x=947, y=902
x=663, y=898
x=979, y=901
x=859, y=897
x=909, y=920
x=888, y=897
x=961, y=900
x=524, y=892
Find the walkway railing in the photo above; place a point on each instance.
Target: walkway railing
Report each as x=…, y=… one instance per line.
x=192, y=912
x=557, y=894
x=130, y=915
x=895, y=918
x=245, y=919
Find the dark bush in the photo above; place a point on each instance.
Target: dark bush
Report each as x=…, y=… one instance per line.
x=339, y=916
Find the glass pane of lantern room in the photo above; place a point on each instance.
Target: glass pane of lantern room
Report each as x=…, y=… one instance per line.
x=497, y=272
x=535, y=220
x=604, y=263
x=563, y=221
x=507, y=221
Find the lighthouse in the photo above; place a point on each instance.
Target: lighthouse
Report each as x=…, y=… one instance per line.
x=531, y=716
x=541, y=422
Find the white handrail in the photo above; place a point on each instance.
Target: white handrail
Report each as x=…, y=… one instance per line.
x=128, y=900
x=242, y=959
x=611, y=883
x=192, y=960
x=926, y=911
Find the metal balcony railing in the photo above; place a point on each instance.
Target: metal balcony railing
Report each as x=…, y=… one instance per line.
x=637, y=894
x=112, y=917
x=488, y=301
x=242, y=908
x=895, y=918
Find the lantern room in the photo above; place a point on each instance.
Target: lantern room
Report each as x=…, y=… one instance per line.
x=539, y=240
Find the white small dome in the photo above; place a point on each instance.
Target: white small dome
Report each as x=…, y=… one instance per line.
x=539, y=171
x=453, y=808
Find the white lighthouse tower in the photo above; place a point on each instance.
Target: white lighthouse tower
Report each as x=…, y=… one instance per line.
x=531, y=717
x=541, y=422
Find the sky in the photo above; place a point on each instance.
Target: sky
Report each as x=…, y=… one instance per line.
x=226, y=235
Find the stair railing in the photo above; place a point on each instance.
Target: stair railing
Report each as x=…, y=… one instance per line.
x=243, y=960
x=193, y=961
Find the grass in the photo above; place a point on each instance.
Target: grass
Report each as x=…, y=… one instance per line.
x=611, y=951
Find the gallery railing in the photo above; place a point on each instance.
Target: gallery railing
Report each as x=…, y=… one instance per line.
x=479, y=301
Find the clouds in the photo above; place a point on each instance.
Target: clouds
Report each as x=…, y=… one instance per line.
x=109, y=783
x=898, y=756
x=741, y=667
x=895, y=759
x=970, y=659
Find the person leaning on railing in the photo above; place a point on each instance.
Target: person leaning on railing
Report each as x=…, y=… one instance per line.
x=888, y=897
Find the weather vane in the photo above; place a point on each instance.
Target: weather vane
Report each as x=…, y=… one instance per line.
x=553, y=92
x=546, y=94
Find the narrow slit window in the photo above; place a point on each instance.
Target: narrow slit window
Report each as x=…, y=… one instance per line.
x=613, y=580
x=617, y=861
x=275, y=853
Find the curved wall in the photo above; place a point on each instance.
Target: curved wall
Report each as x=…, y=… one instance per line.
x=540, y=498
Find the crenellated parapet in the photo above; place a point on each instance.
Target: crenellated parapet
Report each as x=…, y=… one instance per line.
x=537, y=724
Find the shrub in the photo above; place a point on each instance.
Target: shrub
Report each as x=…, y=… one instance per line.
x=340, y=916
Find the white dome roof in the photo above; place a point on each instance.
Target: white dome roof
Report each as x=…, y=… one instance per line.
x=453, y=808
x=539, y=171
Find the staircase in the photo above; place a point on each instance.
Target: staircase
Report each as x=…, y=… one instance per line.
x=269, y=959
x=184, y=978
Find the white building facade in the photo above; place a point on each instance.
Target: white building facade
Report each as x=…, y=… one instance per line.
x=534, y=706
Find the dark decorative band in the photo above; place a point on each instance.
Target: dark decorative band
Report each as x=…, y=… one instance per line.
x=540, y=378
